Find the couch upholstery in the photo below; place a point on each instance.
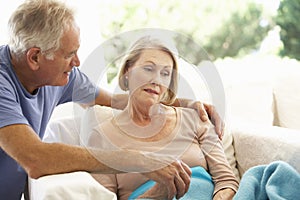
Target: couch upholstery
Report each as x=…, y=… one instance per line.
x=264, y=106
x=262, y=119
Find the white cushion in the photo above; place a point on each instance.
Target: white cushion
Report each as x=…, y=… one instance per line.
x=251, y=102
x=64, y=130
x=248, y=89
x=287, y=95
x=76, y=185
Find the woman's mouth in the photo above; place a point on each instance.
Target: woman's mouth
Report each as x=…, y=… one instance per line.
x=151, y=91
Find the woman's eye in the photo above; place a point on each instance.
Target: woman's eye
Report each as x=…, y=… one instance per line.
x=148, y=68
x=165, y=73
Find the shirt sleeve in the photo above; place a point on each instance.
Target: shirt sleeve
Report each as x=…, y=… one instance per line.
x=218, y=166
x=10, y=109
x=80, y=89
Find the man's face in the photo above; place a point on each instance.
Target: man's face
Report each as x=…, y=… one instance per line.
x=56, y=71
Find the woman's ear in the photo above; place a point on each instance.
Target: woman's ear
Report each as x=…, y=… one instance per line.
x=32, y=56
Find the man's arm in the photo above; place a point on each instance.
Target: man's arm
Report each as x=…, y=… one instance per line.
x=105, y=98
x=40, y=159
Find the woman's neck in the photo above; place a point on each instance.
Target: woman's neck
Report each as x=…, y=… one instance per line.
x=140, y=114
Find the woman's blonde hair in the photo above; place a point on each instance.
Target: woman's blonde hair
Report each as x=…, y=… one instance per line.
x=134, y=53
x=39, y=23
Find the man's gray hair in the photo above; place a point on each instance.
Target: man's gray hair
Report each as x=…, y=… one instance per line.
x=39, y=23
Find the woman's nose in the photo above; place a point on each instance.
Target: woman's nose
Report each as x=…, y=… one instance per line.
x=155, y=79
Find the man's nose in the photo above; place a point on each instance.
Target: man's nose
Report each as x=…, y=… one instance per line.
x=75, y=61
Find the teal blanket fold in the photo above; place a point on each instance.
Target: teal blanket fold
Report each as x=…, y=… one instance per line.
x=275, y=181
x=201, y=186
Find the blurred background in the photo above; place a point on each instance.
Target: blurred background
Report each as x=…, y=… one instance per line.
x=225, y=29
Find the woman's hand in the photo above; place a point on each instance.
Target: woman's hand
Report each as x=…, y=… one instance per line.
x=224, y=194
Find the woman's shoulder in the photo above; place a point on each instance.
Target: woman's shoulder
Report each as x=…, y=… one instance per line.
x=186, y=112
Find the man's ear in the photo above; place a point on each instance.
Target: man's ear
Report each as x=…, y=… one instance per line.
x=32, y=56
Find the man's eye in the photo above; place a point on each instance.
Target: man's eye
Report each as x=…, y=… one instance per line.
x=70, y=55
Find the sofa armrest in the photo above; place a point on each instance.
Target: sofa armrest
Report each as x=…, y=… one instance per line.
x=256, y=145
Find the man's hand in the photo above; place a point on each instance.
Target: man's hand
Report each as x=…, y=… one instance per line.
x=214, y=117
x=207, y=111
x=158, y=191
x=175, y=177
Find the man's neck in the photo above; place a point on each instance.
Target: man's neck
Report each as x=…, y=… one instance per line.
x=23, y=73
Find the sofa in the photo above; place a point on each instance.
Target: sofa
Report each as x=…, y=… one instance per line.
x=262, y=106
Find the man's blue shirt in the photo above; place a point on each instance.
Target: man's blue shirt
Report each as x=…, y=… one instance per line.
x=17, y=106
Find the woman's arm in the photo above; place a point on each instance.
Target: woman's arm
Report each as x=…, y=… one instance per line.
x=205, y=111
x=224, y=194
x=218, y=166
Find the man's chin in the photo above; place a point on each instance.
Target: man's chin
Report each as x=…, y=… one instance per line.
x=62, y=82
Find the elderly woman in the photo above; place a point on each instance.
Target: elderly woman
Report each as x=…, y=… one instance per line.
x=149, y=73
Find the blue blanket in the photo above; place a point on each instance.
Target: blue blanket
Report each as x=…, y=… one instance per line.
x=201, y=186
x=276, y=181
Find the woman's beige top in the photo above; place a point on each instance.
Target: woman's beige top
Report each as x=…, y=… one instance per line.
x=193, y=141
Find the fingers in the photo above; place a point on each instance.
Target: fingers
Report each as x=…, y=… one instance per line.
x=186, y=177
x=186, y=168
x=180, y=187
x=219, y=127
x=182, y=179
x=172, y=191
x=176, y=178
x=202, y=111
x=216, y=120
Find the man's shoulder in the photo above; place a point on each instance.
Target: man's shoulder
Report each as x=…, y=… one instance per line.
x=4, y=54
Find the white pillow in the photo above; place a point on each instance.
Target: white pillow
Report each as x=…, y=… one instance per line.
x=64, y=130
x=287, y=96
x=251, y=102
x=76, y=185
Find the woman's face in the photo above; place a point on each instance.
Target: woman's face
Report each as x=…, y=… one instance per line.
x=150, y=76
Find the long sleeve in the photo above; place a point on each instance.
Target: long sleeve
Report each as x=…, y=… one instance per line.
x=217, y=164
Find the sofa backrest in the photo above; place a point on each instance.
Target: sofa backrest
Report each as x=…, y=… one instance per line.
x=287, y=95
